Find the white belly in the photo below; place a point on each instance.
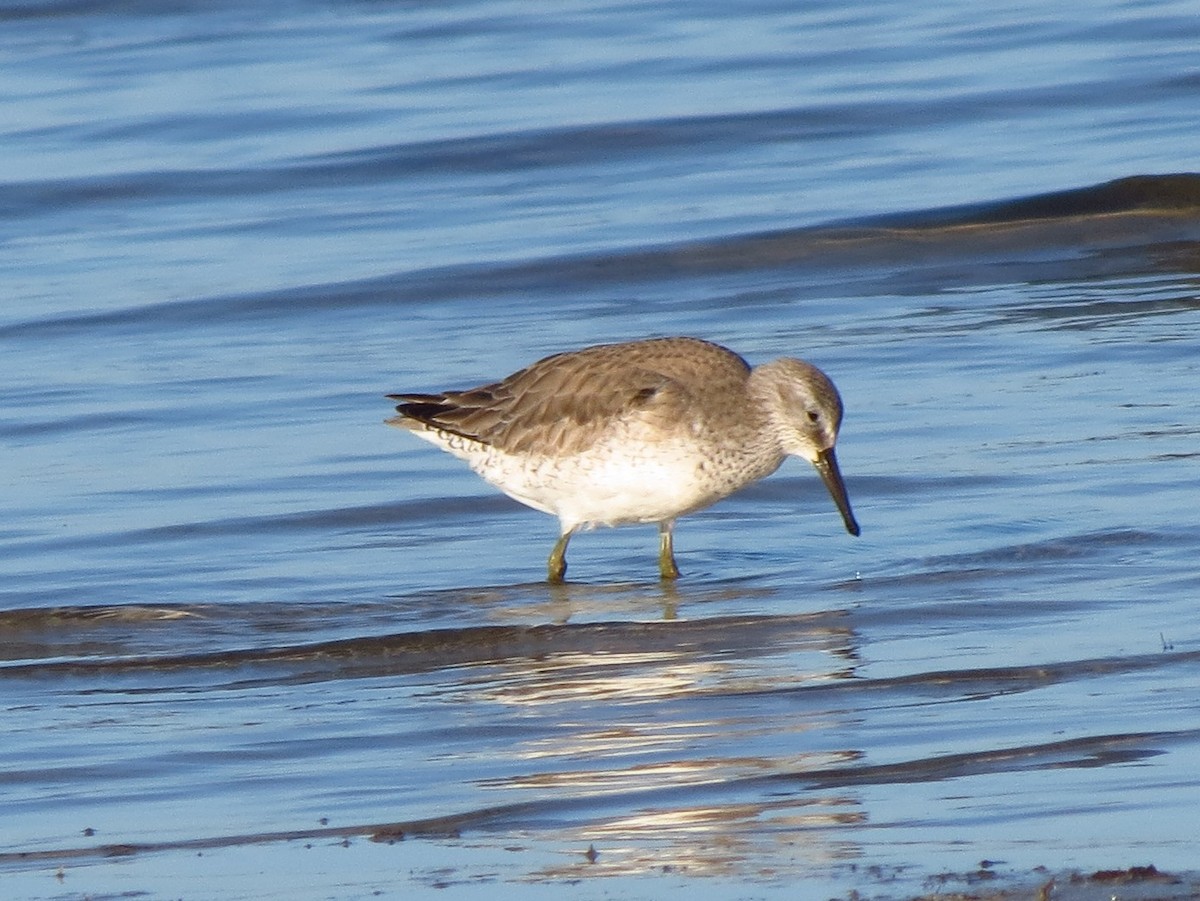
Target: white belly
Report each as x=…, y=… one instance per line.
x=608, y=489
x=627, y=478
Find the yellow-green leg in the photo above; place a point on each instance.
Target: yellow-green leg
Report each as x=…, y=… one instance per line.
x=556, y=566
x=666, y=552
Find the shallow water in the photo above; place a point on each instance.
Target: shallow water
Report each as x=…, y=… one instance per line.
x=247, y=629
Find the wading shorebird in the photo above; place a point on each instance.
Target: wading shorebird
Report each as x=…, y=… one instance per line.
x=639, y=432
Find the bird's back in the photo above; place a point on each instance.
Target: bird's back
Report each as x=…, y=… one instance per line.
x=566, y=403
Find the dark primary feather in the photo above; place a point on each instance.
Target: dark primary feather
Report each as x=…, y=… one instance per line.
x=424, y=407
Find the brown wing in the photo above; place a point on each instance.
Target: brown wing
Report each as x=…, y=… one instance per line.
x=566, y=403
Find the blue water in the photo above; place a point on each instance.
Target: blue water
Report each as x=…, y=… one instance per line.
x=246, y=628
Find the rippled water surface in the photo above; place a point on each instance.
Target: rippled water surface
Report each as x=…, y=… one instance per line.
x=255, y=644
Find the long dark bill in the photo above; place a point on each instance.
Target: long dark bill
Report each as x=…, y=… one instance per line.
x=827, y=467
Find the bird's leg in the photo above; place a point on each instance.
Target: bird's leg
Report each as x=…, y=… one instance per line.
x=666, y=552
x=556, y=566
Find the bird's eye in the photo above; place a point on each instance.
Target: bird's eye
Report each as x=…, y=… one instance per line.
x=813, y=416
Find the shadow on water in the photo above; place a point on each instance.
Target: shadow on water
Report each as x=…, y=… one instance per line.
x=131, y=640
x=731, y=679
x=1131, y=225
x=753, y=806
